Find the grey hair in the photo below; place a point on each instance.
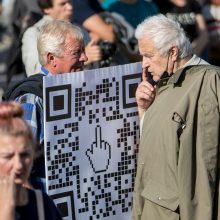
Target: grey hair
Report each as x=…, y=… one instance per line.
x=52, y=38
x=165, y=34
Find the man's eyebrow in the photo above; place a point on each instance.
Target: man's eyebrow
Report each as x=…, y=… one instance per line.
x=147, y=54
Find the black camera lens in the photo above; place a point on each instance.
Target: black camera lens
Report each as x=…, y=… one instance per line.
x=108, y=49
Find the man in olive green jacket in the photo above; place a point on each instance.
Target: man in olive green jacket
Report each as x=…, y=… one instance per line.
x=178, y=103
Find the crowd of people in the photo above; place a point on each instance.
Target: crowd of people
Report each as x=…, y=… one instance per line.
x=178, y=98
x=109, y=21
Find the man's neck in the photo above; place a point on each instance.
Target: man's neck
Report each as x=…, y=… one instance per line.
x=181, y=62
x=48, y=69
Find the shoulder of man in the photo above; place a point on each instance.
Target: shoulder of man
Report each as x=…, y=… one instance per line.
x=32, y=84
x=205, y=68
x=207, y=72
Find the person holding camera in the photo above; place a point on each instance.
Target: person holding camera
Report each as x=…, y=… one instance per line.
x=88, y=13
x=104, y=29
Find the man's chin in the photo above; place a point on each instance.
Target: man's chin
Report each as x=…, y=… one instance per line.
x=156, y=78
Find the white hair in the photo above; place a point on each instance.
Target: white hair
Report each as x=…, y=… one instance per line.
x=52, y=38
x=165, y=34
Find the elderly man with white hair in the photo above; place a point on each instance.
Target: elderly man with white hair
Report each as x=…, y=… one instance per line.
x=178, y=103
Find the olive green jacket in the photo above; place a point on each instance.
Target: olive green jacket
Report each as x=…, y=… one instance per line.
x=177, y=175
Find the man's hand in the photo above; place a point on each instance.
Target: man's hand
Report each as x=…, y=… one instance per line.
x=93, y=52
x=7, y=197
x=145, y=95
x=99, y=149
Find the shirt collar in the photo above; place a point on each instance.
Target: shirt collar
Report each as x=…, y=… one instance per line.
x=195, y=60
x=45, y=71
x=164, y=79
x=47, y=18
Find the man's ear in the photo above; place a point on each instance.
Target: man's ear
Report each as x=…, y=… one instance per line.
x=51, y=59
x=47, y=11
x=174, y=53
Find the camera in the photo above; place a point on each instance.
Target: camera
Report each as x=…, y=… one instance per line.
x=108, y=51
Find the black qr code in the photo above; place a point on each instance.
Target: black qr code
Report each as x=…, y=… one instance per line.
x=91, y=135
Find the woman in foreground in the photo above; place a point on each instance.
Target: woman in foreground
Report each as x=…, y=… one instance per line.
x=16, y=158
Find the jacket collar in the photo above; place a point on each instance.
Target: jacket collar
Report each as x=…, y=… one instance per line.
x=174, y=78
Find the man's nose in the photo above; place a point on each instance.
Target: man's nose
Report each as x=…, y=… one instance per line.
x=145, y=62
x=83, y=57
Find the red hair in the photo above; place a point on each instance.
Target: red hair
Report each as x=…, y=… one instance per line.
x=12, y=123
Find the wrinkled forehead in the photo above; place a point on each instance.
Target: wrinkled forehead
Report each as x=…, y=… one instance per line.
x=73, y=42
x=146, y=45
x=74, y=36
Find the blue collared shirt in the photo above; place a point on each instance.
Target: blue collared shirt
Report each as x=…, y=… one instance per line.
x=33, y=111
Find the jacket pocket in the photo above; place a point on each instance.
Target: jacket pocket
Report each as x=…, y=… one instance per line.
x=161, y=195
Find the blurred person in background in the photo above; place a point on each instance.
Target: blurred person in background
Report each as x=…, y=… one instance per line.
x=131, y=13
x=88, y=13
x=106, y=3
x=211, y=12
x=17, y=201
x=24, y=14
x=0, y=7
x=189, y=14
x=134, y=11
x=105, y=29
x=5, y=37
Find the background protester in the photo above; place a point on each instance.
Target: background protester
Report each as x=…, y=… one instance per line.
x=24, y=14
x=189, y=14
x=211, y=12
x=109, y=31
x=134, y=11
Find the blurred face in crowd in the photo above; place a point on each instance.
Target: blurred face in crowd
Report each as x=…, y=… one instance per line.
x=73, y=57
x=152, y=61
x=16, y=157
x=215, y=2
x=61, y=10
